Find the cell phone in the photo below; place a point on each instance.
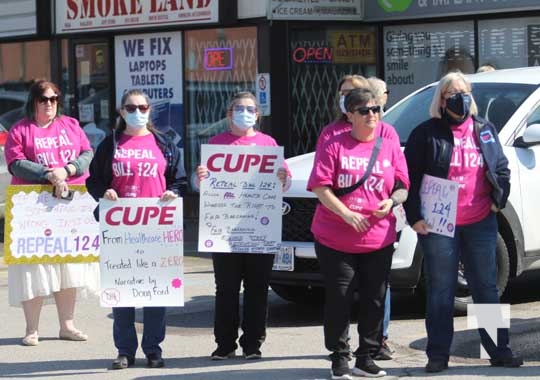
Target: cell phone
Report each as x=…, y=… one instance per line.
x=66, y=195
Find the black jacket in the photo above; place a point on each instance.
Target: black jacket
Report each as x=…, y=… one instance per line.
x=101, y=174
x=429, y=151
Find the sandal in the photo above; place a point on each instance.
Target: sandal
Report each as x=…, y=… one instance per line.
x=74, y=335
x=31, y=340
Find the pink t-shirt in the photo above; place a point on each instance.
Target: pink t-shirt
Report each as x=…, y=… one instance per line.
x=62, y=141
x=260, y=139
x=340, y=163
x=468, y=169
x=341, y=126
x=138, y=167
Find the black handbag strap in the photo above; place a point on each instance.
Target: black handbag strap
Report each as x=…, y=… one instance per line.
x=346, y=190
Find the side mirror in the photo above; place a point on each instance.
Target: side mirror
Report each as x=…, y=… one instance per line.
x=530, y=137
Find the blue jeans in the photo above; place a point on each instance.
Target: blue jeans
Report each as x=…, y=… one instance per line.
x=476, y=243
x=125, y=335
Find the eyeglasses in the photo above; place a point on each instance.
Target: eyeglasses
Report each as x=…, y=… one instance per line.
x=43, y=99
x=241, y=108
x=132, y=107
x=387, y=92
x=365, y=110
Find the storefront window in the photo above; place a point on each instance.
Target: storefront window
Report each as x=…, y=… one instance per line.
x=92, y=89
x=20, y=64
x=415, y=55
x=509, y=43
x=319, y=58
x=219, y=63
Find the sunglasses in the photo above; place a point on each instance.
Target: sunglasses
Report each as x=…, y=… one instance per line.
x=345, y=92
x=44, y=100
x=365, y=110
x=133, y=107
x=240, y=108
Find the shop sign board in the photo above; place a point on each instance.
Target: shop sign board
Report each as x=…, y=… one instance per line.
x=315, y=10
x=376, y=10
x=18, y=18
x=91, y=15
x=153, y=63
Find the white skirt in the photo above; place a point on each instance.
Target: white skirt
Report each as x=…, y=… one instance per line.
x=27, y=281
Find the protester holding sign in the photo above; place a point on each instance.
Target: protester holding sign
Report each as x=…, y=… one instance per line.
x=230, y=269
x=48, y=148
x=457, y=145
x=358, y=177
x=137, y=161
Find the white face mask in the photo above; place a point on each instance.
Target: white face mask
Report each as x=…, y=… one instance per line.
x=137, y=119
x=244, y=120
x=342, y=104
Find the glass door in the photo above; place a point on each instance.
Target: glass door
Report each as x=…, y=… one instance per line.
x=92, y=89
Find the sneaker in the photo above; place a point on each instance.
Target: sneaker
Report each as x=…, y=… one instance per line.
x=252, y=355
x=435, y=365
x=340, y=367
x=384, y=353
x=365, y=366
x=508, y=362
x=221, y=354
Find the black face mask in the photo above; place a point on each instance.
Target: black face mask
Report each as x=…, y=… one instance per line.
x=460, y=104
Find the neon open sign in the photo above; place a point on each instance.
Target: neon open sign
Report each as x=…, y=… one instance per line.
x=218, y=58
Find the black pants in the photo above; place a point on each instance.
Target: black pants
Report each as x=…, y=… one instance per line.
x=229, y=271
x=344, y=273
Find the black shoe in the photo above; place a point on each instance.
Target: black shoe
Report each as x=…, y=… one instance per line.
x=366, y=367
x=434, y=365
x=252, y=354
x=122, y=362
x=384, y=353
x=154, y=361
x=221, y=354
x=340, y=367
x=508, y=362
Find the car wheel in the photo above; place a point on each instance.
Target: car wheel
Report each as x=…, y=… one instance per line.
x=463, y=294
x=300, y=294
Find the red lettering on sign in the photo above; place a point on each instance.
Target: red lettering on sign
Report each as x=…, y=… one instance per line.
x=221, y=161
x=130, y=216
x=319, y=54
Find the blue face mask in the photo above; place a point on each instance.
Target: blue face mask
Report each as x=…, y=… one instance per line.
x=137, y=119
x=244, y=120
x=342, y=104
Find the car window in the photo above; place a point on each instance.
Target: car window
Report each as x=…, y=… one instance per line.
x=409, y=114
x=496, y=102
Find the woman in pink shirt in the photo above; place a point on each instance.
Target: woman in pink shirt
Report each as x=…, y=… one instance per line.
x=230, y=269
x=354, y=229
x=160, y=175
x=48, y=148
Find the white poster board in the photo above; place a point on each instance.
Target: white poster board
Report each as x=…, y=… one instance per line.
x=240, y=202
x=40, y=228
x=142, y=254
x=439, y=204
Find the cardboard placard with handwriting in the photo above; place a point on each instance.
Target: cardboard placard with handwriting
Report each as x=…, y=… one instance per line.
x=40, y=228
x=240, y=201
x=142, y=252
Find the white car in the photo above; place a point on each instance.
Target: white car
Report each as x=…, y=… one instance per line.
x=510, y=99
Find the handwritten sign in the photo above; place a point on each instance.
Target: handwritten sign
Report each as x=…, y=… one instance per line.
x=142, y=255
x=240, y=203
x=439, y=204
x=40, y=228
